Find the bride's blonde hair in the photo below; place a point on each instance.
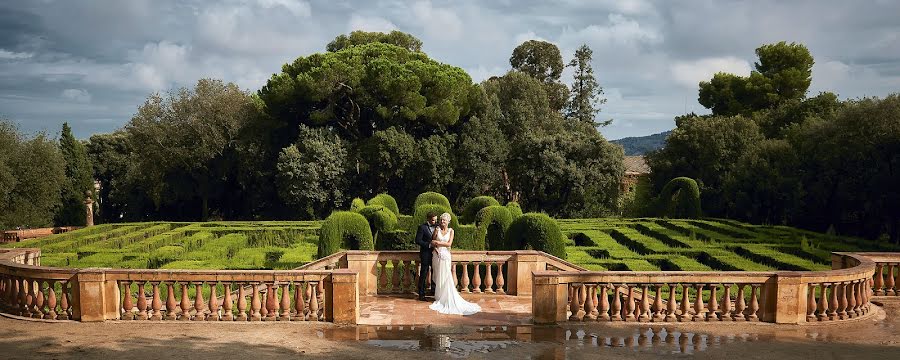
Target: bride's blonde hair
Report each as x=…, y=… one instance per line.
x=447, y=216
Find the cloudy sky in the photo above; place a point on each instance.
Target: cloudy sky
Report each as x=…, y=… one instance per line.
x=92, y=63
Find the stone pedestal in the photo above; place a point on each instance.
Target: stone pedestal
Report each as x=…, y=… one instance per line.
x=342, y=298
x=548, y=302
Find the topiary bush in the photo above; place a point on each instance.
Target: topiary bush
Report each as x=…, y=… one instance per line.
x=679, y=199
x=536, y=231
x=357, y=204
x=423, y=210
x=344, y=230
x=492, y=223
x=387, y=201
x=476, y=204
x=514, y=209
x=432, y=198
x=464, y=238
x=380, y=218
x=395, y=240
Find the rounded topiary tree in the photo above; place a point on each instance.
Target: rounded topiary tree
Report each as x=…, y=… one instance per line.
x=680, y=198
x=421, y=211
x=432, y=197
x=536, y=231
x=492, y=223
x=514, y=209
x=357, y=204
x=344, y=230
x=476, y=204
x=387, y=201
x=380, y=218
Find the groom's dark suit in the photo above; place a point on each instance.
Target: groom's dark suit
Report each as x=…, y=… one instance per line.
x=423, y=239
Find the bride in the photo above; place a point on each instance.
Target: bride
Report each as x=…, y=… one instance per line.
x=446, y=298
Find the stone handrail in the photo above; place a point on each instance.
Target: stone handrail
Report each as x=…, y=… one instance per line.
x=886, y=280
x=782, y=297
x=100, y=294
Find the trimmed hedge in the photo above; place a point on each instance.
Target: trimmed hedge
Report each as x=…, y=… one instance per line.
x=423, y=210
x=347, y=230
x=380, y=218
x=536, y=231
x=514, y=209
x=685, y=205
x=492, y=223
x=387, y=201
x=475, y=205
x=434, y=198
x=395, y=240
x=464, y=238
x=357, y=204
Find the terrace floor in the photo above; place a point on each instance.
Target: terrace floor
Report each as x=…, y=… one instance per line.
x=407, y=310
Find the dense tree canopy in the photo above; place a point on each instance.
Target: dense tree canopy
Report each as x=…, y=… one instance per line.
x=32, y=176
x=79, y=179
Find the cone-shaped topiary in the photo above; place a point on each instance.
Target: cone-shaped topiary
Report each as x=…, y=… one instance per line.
x=536, y=231
x=432, y=197
x=514, y=209
x=357, y=204
x=387, y=201
x=423, y=210
x=344, y=230
x=477, y=203
x=492, y=223
x=680, y=199
x=380, y=218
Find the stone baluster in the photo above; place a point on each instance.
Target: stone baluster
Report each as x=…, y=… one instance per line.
x=833, y=303
x=313, y=302
x=22, y=299
x=726, y=303
x=488, y=279
x=30, y=309
x=699, y=309
x=320, y=291
x=299, y=302
x=616, y=311
x=754, y=303
x=889, y=281
x=42, y=300
x=395, y=277
x=464, y=281
x=185, y=302
x=382, y=277
x=595, y=301
x=671, y=305
x=199, y=304
x=141, y=301
x=851, y=292
x=407, y=283
x=309, y=298
x=713, y=314
x=811, y=303
x=590, y=309
x=860, y=297
x=822, y=308
x=51, y=300
x=500, y=281
x=242, y=303
x=170, y=301
x=285, y=302
x=271, y=303
x=213, y=305
x=573, y=302
x=255, y=303
x=685, y=314
x=879, y=279
x=156, y=303
x=453, y=275
x=645, y=304
x=264, y=303
x=658, y=311
x=741, y=304
x=127, y=305
x=604, y=303
x=629, y=304
x=842, y=301
x=227, y=315
x=476, y=278
x=64, y=313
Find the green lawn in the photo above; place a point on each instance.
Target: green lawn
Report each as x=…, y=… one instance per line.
x=597, y=244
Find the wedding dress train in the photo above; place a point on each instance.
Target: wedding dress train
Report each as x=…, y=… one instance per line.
x=446, y=299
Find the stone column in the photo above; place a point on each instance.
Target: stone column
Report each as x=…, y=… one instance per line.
x=89, y=209
x=94, y=298
x=789, y=300
x=549, y=299
x=519, y=272
x=342, y=297
x=364, y=263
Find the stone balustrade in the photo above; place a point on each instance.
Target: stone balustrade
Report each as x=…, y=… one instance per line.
x=886, y=280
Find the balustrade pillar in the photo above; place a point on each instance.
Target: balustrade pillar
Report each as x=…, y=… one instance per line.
x=395, y=277
x=141, y=301
x=501, y=281
x=488, y=279
x=299, y=302
x=741, y=304
x=199, y=314
x=213, y=305
x=811, y=303
x=285, y=302
x=227, y=315
x=255, y=303
x=590, y=310
x=604, y=303
x=51, y=300
x=713, y=314
x=842, y=305
x=156, y=303
x=879, y=279
x=574, y=308
x=242, y=303
x=833, y=303
x=726, y=304
x=127, y=305
x=39, y=302
x=699, y=309
x=889, y=284
x=671, y=305
x=383, y=279
x=65, y=307
x=464, y=282
x=754, y=303
x=822, y=308
x=645, y=304
x=685, y=307
x=313, y=302
x=271, y=303
x=629, y=304
x=185, y=303
x=658, y=313
x=476, y=278
x=170, y=301
x=616, y=312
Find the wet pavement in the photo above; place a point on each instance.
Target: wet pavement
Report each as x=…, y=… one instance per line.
x=407, y=310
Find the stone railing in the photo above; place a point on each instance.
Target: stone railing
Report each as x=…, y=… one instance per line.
x=886, y=281
x=484, y=272
x=666, y=296
x=93, y=294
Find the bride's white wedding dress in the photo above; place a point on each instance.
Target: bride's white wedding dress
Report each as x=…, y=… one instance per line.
x=446, y=298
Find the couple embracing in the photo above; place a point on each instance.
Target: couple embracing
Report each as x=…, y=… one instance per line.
x=434, y=240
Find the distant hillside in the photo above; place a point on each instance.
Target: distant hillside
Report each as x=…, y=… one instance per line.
x=641, y=145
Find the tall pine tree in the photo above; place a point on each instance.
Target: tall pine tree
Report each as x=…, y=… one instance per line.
x=79, y=178
x=585, y=100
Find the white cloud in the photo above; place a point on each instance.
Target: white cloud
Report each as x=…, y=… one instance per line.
x=373, y=23
x=620, y=30
x=482, y=73
x=11, y=55
x=440, y=23
x=523, y=37
x=77, y=95
x=298, y=8
x=690, y=73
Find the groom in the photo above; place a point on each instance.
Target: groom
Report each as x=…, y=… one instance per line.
x=423, y=239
